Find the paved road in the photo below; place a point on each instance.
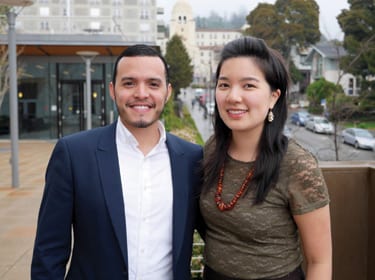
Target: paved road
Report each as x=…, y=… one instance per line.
x=204, y=126
x=322, y=146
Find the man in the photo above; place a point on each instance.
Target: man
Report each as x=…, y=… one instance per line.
x=128, y=191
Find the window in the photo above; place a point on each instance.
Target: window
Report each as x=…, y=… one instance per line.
x=94, y=12
x=144, y=27
x=44, y=11
x=94, y=25
x=145, y=14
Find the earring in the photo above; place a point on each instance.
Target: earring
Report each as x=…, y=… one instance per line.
x=270, y=116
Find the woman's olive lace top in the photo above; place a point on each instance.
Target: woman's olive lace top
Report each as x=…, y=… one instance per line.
x=261, y=241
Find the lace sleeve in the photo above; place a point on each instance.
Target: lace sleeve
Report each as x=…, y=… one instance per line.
x=307, y=189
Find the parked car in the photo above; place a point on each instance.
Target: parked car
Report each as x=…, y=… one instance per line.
x=287, y=132
x=299, y=118
x=359, y=138
x=319, y=124
x=210, y=106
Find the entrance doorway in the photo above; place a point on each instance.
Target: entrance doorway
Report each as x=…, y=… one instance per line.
x=71, y=109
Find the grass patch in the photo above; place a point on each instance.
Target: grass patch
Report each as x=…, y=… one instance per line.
x=370, y=125
x=183, y=126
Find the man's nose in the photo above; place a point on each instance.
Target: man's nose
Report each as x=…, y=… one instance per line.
x=142, y=91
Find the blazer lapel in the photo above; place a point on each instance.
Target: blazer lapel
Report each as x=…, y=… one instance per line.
x=180, y=195
x=111, y=184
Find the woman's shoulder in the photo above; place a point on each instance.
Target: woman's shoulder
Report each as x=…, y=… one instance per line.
x=296, y=153
x=305, y=185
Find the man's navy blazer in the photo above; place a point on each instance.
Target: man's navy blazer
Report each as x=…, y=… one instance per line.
x=83, y=194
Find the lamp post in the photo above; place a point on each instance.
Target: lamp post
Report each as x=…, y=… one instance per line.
x=88, y=56
x=13, y=101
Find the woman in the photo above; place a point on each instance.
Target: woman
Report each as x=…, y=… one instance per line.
x=265, y=201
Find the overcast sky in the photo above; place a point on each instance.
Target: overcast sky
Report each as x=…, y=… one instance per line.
x=329, y=9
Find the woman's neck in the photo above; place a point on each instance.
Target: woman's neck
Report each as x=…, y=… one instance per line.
x=244, y=146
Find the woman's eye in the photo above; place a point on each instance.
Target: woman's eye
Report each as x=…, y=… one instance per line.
x=249, y=86
x=223, y=85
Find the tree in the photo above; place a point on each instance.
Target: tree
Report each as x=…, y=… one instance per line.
x=215, y=21
x=4, y=74
x=317, y=92
x=285, y=24
x=179, y=62
x=337, y=104
x=264, y=22
x=358, y=25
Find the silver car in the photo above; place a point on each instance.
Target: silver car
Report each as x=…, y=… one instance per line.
x=319, y=124
x=359, y=138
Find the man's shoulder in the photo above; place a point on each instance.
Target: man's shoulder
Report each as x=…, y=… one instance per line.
x=88, y=137
x=185, y=144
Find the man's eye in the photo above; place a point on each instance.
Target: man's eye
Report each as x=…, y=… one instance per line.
x=128, y=84
x=154, y=85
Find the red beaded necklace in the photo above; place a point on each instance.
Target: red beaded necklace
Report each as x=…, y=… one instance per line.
x=228, y=206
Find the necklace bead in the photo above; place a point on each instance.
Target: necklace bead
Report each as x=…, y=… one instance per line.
x=219, y=190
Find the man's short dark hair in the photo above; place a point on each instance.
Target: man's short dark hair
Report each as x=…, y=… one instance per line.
x=140, y=50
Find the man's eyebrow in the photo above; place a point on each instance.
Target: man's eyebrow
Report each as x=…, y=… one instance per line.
x=126, y=78
x=155, y=80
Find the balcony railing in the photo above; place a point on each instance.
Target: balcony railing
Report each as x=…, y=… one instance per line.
x=351, y=187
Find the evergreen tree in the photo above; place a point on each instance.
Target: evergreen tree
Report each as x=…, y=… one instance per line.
x=179, y=62
x=358, y=25
x=285, y=24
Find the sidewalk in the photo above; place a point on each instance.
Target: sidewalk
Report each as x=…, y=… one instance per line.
x=19, y=206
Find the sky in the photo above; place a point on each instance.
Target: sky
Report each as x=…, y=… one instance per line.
x=329, y=9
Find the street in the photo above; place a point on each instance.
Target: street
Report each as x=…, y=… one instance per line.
x=321, y=145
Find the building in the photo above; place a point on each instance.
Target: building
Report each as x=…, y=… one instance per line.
x=298, y=56
x=134, y=20
x=52, y=82
x=202, y=45
x=324, y=60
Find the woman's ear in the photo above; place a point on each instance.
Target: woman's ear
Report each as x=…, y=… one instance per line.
x=274, y=97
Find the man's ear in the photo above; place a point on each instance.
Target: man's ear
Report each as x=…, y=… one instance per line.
x=169, y=92
x=112, y=91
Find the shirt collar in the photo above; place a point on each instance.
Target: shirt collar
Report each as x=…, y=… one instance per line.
x=124, y=136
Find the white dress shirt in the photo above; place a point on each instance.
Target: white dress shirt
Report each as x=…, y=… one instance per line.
x=148, y=197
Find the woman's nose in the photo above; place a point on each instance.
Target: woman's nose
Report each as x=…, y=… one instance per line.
x=234, y=95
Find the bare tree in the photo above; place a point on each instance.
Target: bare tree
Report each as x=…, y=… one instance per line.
x=4, y=73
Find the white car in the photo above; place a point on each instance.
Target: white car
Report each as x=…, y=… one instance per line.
x=319, y=125
x=210, y=106
x=359, y=138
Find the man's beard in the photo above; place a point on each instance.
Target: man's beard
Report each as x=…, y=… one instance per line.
x=142, y=123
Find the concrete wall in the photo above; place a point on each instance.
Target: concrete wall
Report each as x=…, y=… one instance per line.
x=352, y=190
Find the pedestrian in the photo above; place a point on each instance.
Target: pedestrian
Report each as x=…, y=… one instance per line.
x=121, y=201
x=264, y=199
x=193, y=102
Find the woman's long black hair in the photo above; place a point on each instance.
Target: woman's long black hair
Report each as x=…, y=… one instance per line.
x=273, y=143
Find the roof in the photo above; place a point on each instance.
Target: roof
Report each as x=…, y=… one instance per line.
x=327, y=50
x=330, y=50
x=67, y=45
